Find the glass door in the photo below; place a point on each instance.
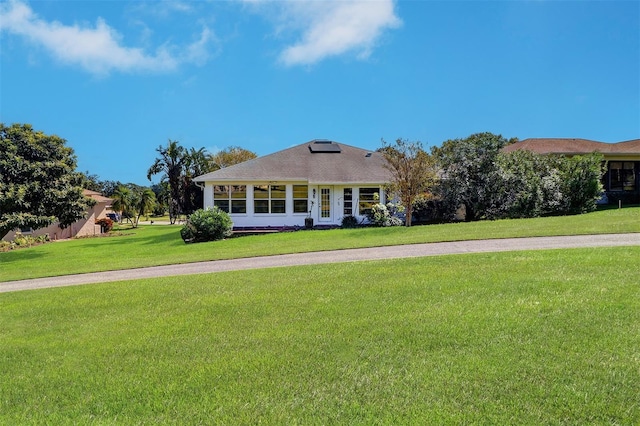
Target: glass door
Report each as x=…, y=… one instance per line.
x=325, y=204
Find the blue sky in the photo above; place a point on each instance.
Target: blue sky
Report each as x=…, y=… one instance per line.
x=117, y=79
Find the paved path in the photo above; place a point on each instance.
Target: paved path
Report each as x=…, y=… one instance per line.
x=349, y=255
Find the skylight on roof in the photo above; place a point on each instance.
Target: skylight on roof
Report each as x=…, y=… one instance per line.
x=325, y=146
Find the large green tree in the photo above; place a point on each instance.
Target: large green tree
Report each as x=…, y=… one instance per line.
x=468, y=169
x=412, y=169
x=39, y=183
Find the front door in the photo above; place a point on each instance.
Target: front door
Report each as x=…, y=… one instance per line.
x=325, y=204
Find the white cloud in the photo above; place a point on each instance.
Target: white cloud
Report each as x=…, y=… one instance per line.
x=98, y=49
x=331, y=28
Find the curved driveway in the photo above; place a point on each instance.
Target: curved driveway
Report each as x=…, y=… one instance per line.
x=349, y=255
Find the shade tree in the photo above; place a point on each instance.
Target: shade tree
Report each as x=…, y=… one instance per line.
x=39, y=183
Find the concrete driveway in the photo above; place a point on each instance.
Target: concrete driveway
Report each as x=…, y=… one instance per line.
x=350, y=255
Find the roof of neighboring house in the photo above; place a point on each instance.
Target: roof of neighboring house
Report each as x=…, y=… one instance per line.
x=96, y=196
x=575, y=146
x=315, y=162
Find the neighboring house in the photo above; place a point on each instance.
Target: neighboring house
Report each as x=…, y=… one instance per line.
x=622, y=178
x=320, y=179
x=82, y=228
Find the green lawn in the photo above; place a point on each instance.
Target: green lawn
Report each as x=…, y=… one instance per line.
x=538, y=337
x=161, y=244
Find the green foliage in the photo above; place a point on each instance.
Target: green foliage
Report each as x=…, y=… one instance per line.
x=349, y=222
x=123, y=202
x=413, y=172
x=23, y=241
x=530, y=185
x=468, y=168
x=229, y=156
x=145, y=203
x=38, y=181
x=525, y=185
x=207, y=225
x=428, y=209
x=384, y=215
x=171, y=165
x=581, y=181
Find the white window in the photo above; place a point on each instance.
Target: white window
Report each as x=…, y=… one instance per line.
x=300, y=198
x=230, y=198
x=269, y=198
x=368, y=197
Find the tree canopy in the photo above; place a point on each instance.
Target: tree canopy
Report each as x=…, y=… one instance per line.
x=171, y=164
x=468, y=167
x=230, y=156
x=39, y=183
x=412, y=169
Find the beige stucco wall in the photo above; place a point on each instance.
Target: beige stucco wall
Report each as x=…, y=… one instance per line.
x=82, y=228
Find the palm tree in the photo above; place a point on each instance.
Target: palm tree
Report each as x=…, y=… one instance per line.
x=122, y=201
x=171, y=164
x=145, y=203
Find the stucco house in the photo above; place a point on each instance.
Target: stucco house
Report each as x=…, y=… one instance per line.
x=622, y=178
x=320, y=179
x=82, y=228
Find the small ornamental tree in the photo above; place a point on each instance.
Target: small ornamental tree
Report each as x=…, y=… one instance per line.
x=206, y=225
x=412, y=171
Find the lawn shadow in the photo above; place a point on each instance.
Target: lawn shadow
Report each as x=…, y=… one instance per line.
x=20, y=255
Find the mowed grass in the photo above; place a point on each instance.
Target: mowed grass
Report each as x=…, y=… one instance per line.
x=161, y=245
x=538, y=337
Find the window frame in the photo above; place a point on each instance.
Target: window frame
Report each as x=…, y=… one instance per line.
x=347, y=201
x=364, y=206
x=299, y=199
x=231, y=203
x=622, y=177
x=273, y=201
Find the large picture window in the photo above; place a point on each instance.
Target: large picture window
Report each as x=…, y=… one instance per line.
x=300, y=198
x=230, y=198
x=366, y=200
x=622, y=175
x=269, y=198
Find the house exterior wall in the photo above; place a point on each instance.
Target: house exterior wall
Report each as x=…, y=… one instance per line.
x=82, y=228
x=316, y=196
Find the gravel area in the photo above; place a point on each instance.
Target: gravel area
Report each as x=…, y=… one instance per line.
x=350, y=255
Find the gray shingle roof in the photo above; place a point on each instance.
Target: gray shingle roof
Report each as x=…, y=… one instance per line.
x=348, y=165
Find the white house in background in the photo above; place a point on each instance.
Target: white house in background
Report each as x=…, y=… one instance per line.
x=82, y=228
x=320, y=179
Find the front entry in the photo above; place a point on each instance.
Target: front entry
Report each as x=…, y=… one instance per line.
x=325, y=204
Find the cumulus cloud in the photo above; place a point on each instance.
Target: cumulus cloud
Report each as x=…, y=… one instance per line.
x=98, y=49
x=331, y=28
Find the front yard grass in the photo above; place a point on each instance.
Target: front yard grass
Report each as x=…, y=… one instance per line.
x=161, y=244
x=538, y=337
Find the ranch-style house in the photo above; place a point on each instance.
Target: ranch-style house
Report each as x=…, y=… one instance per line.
x=621, y=180
x=320, y=180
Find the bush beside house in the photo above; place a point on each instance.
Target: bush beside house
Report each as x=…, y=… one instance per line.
x=207, y=225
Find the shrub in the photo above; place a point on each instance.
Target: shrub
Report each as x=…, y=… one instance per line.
x=206, y=225
x=349, y=222
x=106, y=224
x=429, y=209
x=381, y=215
x=23, y=241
